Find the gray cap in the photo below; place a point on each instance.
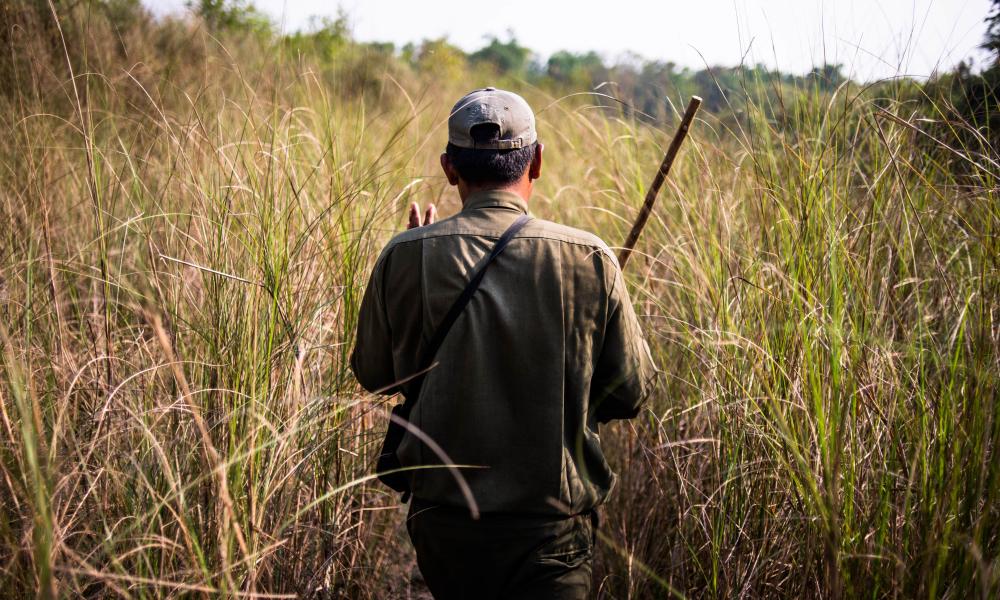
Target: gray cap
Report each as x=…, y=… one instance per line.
x=490, y=105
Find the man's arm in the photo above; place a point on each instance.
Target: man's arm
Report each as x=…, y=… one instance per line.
x=625, y=373
x=371, y=360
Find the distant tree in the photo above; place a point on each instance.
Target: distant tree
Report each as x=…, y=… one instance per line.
x=385, y=48
x=438, y=57
x=828, y=77
x=713, y=85
x=644, y=86
x=977, y=96
x=123, y=13
x=974, y=98
x=506, y=57
x=660, y=83
x=992, y=42
x=231, y=15
x=983, y=96
x=325, y=37
x=577, y=70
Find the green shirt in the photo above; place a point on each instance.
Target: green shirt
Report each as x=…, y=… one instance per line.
x=548, y=348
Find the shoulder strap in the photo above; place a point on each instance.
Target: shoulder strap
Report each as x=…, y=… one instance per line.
x=470, y=290
x=460, y=303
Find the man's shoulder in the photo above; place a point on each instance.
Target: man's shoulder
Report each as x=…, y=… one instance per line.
x=537, y=229
x=569, y=235
x=441, y=228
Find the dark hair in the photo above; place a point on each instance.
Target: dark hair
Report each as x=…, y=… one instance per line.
x=499, y=167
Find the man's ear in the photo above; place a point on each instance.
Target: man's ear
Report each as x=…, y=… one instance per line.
x=535, y=169
x=449, y=169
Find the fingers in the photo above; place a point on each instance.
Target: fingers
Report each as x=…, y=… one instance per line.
x=414, y=220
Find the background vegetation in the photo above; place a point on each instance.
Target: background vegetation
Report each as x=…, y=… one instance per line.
x=188, y=212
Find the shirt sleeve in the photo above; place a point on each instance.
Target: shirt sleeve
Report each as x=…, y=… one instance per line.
x=624, y=374
x=372, y=360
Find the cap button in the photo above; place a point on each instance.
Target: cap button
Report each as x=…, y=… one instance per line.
x=490, y=89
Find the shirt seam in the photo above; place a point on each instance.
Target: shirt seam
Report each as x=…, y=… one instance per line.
x=529, y=236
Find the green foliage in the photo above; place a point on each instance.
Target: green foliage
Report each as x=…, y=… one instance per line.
x=123, y=14
x=232, y=15
x=576, y=70
x=506, y=57
x=437, y=57
x=325, y=38
x=992, y=42
x=974, y=97
x=827, y=77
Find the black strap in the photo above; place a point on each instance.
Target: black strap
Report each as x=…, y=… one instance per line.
x=456, y=309
x=388, y=462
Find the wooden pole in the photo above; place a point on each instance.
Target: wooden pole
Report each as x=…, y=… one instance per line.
x=661, y=176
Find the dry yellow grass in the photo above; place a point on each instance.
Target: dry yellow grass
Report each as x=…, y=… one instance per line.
x=186, y=227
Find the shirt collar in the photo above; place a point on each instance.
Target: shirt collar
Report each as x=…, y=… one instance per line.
x=495, y=198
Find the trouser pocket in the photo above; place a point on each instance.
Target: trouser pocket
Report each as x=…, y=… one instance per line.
x=572, y=546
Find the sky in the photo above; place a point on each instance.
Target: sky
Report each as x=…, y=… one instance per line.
x=874, y=39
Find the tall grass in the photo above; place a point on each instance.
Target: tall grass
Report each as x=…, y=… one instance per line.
x=187, y=224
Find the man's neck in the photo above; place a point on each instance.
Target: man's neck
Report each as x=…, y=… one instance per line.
x=523, y=188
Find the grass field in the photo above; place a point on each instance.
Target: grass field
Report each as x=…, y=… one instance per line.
x=186, y=228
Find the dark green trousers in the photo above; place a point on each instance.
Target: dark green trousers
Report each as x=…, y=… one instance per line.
x=502, y=556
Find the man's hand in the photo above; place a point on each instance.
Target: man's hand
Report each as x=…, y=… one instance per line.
x=430, y=215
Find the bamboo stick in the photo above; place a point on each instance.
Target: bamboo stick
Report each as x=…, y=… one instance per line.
x=661, y=176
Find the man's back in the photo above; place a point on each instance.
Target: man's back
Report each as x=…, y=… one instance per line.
x=548, y=347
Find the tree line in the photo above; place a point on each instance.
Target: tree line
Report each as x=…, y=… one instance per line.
x=651, y=90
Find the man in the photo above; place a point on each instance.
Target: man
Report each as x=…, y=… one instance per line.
x=548, y=348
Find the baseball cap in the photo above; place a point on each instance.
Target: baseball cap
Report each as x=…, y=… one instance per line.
x=490, y=105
